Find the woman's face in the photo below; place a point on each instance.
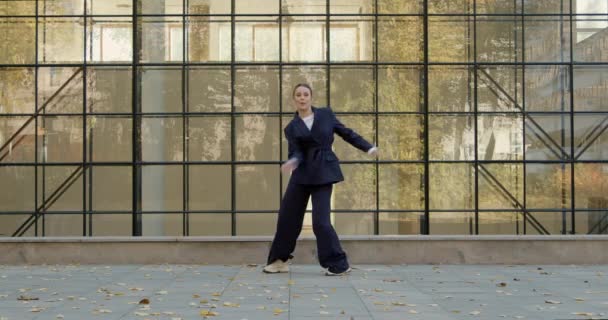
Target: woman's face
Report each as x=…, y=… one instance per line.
x=302, y=98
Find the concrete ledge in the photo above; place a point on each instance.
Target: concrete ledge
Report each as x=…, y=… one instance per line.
x=571, y=249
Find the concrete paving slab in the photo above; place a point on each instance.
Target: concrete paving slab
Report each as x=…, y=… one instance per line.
x=438, y=292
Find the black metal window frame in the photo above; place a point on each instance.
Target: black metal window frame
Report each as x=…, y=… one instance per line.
x=84, y=168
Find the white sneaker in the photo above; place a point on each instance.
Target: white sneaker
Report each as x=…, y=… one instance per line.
x=277, y=266
x=329, y=273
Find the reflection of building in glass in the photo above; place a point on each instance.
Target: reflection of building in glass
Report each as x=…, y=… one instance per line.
x=185, y=106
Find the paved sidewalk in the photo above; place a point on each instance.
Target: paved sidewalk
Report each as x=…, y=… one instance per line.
x=175, y=292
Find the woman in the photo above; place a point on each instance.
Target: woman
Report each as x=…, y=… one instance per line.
x=315, y=168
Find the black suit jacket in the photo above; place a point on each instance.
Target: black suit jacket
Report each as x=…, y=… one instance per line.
x=317, y=163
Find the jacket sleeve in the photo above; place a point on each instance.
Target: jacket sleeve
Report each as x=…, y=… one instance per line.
x=349, y=135
x=293, y=149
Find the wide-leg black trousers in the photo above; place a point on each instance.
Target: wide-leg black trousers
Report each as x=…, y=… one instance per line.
x=289, y=226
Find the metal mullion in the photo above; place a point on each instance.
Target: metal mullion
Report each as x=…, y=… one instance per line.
x=136, y=227
x=84, y=129
x=328, y=51
x=35, y=115
x=427, y=220
x=376, y=79
x=185, y=168
x=280, y=101
x=571, y=89
x=475, y=110
x=232, y=119
x=44, y=137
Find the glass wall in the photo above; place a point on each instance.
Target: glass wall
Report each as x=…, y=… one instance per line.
x=166, y=117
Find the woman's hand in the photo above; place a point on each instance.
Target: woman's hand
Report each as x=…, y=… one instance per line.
x=289, y=166
x=373, y=151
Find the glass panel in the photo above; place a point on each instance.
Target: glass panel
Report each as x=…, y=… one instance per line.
x=591, y=6
x=209, y=6
x=452, y=222
x=9, y=224
x=210, y=187
x=209, y=138
x=451, y=89
x=17, y=40
x=61, y=189
x=401, y=186
x=499, y=39
x=161, y=6
x=500, y=137
x=61, y=7
x=163, y=224
x=109, y=139
x=351, y=39
x=257, y=187
x=22, y=147
x=547, y=39
x=112, y=188
x=162, y=139
x=395, y=223
x=591, y=137
x=109, y=40
x=304, y=39
x=161, y=89
x=358, y=191
x=110, y=7
x=451, y=137
x=257, y=138
x=400, y=39
x=256, y=89
x=591, y=186
x=352, y=89
x=547, y=137
x=547, y=185
x=109, y=89
x=591, y=222
x=162, y=190
x=590, y=39
x=17, y=90
x=210, y=224
x=315, y=76
x=591, y=88
x=499, y=6
x=399, y=6
x=303, y=6
x=256, y=6
x=105, y=225
x=209, y=89
x=364, y=126
x=60, y=90
x=162, y=39
x=346, y=6
x=451, y=39
x=547, y=88
x=63, y=40
x=256, y=39
x=17, y=8
x=358, y=223
x=501, y=185
x=256, y=224
x=451, y=186
x=451, y=6
x=547, y=6
x=548, y=222
x=209, y=38
x=500, y=88
x=400, y=137
x=399, y=89
x=63, y=225
x=61, y=139
x=17, y=185
x=501, y=223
